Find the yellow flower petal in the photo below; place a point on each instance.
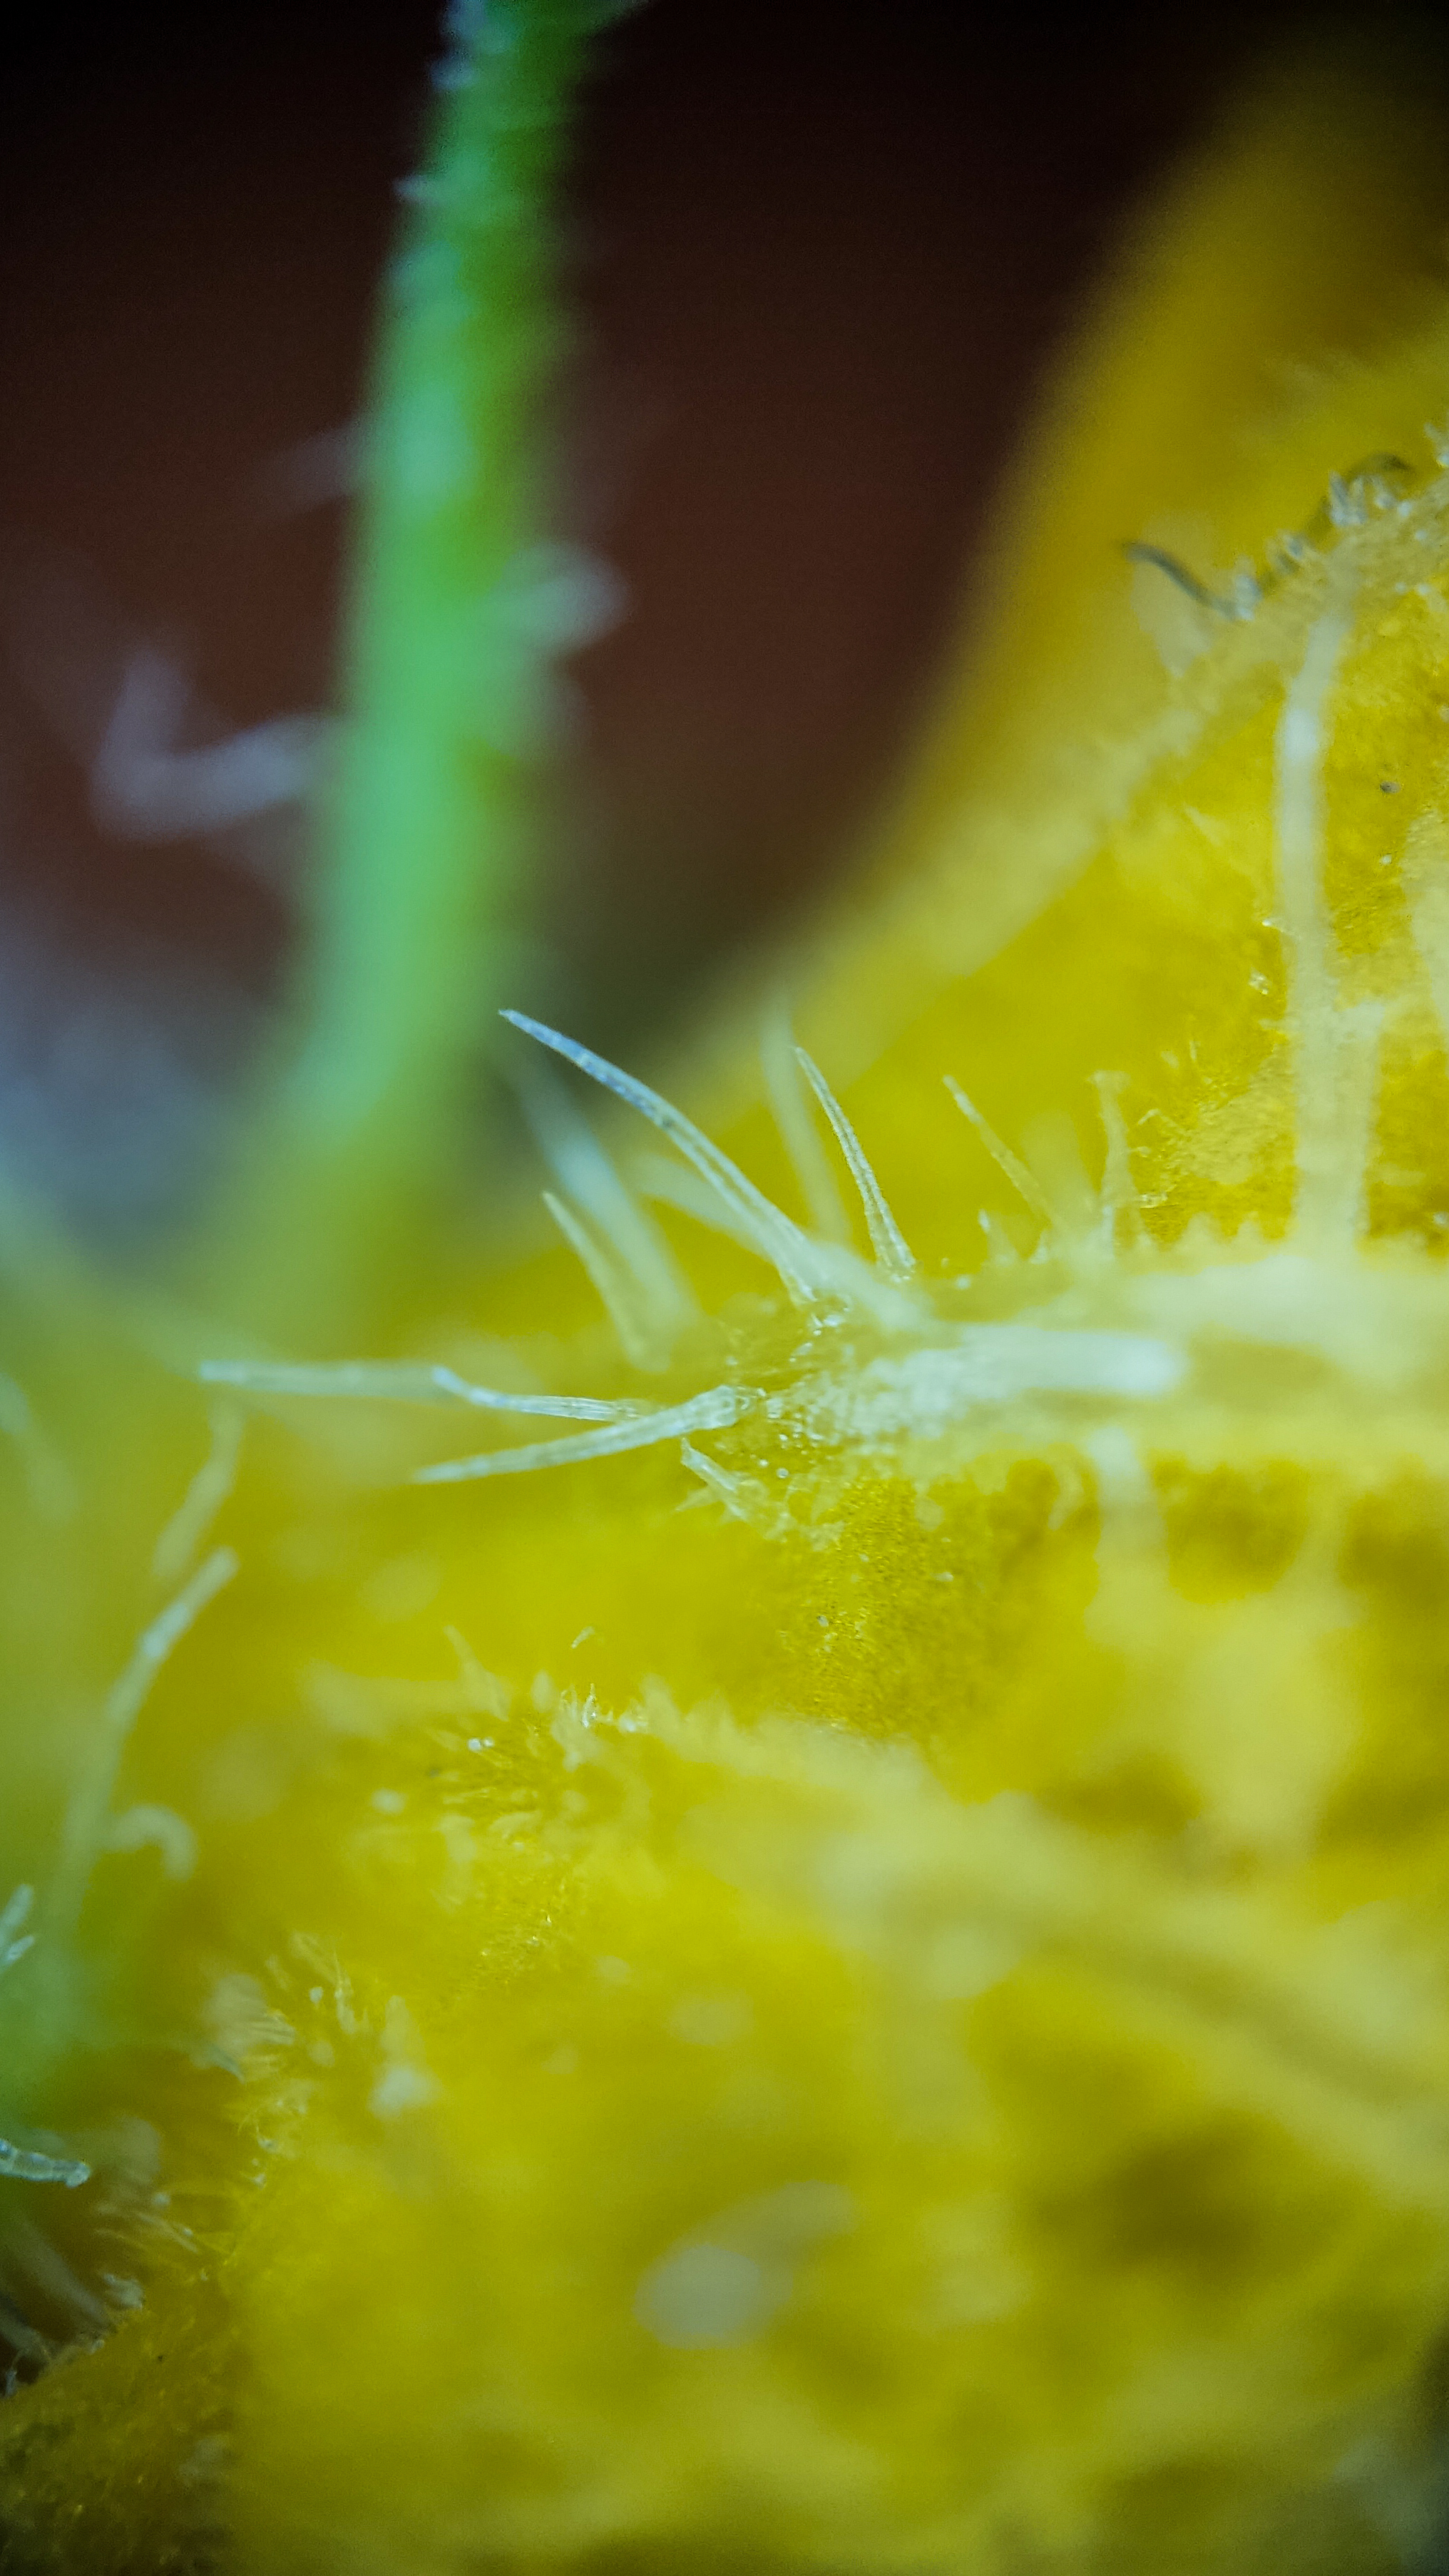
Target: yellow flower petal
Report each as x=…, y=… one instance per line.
x=847, y=1970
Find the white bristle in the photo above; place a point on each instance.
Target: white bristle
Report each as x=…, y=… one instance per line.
x=781, y=1243
x=714, y=1410
x=1011, y=1164
x=893, y=1254
x=789, y=1101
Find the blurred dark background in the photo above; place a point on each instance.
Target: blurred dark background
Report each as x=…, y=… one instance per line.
x=819, y=256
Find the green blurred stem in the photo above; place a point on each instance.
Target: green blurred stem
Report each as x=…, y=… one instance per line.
x=458, y=602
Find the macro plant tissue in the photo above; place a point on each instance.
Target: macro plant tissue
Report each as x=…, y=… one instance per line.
x=756, y=1879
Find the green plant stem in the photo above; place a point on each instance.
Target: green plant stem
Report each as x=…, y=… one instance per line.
x=458, y=600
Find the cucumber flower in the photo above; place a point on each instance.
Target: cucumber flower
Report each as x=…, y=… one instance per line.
x=748, y=1874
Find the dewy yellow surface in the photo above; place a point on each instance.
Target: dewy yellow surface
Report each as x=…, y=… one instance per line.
x=854, y=1975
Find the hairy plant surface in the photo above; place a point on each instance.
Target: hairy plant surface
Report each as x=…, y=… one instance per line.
x=768, y=1891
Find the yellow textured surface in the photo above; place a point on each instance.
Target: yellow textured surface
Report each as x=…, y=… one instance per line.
x=870, y=1993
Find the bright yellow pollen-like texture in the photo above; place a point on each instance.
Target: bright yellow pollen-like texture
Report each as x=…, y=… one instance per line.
x=868, y=1992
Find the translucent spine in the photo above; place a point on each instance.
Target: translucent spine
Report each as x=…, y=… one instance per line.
x=1312, y=1005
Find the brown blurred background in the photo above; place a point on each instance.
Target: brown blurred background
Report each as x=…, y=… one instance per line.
x=819, y=255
